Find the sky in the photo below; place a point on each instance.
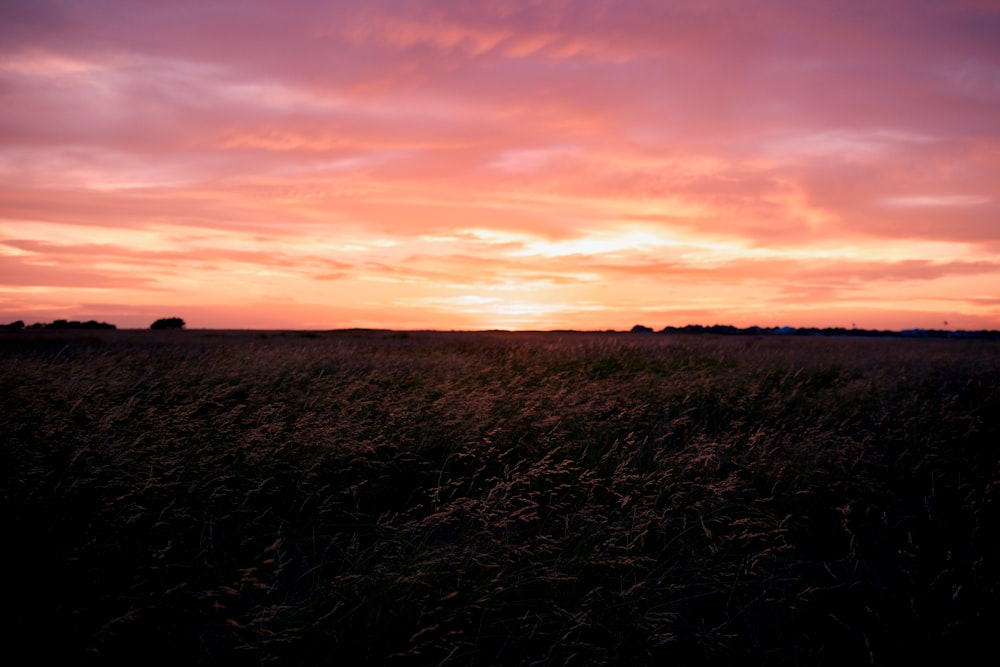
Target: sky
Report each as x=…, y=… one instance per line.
x=447, y=164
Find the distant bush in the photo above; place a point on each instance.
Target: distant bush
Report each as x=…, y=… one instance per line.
x=76, y=324
x=13, y=326
x=168, y=323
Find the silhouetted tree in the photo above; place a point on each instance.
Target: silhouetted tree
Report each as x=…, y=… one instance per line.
x=168, y=323
x=77, y=324
x=16, y=325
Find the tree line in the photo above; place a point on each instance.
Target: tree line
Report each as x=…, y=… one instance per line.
x=160, y=324
x=729, y=330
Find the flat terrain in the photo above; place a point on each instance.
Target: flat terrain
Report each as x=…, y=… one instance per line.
x=498, y=498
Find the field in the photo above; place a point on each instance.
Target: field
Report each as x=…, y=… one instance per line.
x=498, y=498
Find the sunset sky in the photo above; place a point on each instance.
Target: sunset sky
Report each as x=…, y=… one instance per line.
x=515, y=165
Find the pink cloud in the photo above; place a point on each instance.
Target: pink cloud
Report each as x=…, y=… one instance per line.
x=19, y=272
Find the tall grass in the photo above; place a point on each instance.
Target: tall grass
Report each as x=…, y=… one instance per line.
x=499, y=498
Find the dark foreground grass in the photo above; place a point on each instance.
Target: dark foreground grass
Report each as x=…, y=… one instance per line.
x=424, y=498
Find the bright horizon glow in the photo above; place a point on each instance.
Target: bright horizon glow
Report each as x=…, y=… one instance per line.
x=441, y=165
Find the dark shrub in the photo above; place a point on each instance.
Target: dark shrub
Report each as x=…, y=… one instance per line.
x=168, y=323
